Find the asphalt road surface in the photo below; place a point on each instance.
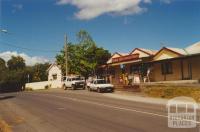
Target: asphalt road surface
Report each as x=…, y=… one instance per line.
x=81, y=111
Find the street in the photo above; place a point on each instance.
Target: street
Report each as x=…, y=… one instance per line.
x=81, y=111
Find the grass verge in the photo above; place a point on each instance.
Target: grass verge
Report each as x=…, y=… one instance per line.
x=170, y=91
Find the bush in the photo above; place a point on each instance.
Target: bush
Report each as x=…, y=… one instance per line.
x=28, y=89
x=12, y=81
x=46, y=86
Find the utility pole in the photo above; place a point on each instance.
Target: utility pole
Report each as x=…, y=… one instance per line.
x=66, y=55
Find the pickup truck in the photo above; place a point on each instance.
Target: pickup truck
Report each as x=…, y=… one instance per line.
x=100, y=85
x=73, y=83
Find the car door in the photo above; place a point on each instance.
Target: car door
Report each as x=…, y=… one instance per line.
x=92, y=85
x=68, y=82
x=95, y=85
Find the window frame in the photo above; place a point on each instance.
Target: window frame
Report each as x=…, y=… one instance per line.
x=167, y=68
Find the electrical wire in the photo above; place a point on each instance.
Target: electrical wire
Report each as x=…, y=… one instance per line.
x=25, y=48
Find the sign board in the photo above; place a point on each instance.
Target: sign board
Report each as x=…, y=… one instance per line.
x=125, y=58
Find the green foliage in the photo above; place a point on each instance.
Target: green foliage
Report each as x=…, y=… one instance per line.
x=84, y=57
x=14, y=77
x=39, y=72
x=2, y=64
x=15, y=63
x=3, y=68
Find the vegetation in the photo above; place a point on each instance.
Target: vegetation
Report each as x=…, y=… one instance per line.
x=84, y=57
x=171, y=91
x=14, y=74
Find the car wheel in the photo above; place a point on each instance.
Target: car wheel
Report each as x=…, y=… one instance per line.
x=112, y=91
x=89, y=89
x=73, y=87
x=64, y=87
x=98, y=90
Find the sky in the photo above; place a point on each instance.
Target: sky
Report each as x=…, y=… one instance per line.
x=37, y=27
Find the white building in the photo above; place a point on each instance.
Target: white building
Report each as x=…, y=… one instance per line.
x=54, y=79
x=54, y=72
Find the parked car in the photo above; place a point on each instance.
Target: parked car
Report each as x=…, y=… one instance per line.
x=73, y=82
x=100, y=85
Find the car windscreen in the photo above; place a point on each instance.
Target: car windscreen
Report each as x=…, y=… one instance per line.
x=64, y=78
x=101, y=82
x=74, y=79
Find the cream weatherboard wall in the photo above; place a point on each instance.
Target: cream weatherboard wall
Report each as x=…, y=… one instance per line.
x=165, y=54
x=54, y=73
x=141, y=54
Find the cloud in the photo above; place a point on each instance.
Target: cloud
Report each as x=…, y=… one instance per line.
x=17, y=7
x=89, y=9
x=30, y=61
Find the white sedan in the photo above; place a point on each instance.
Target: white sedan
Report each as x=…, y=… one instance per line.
x=100, y=85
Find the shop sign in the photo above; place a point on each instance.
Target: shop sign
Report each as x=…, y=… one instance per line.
x=125, y=58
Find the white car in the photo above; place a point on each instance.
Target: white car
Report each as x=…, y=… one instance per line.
x=73, y=82
x=100, y=85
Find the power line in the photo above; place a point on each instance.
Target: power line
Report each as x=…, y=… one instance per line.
x=25, y=48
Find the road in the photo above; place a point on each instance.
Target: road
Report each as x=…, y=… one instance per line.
x=81, y=111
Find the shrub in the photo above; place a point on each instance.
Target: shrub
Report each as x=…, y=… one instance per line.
x=46, y=86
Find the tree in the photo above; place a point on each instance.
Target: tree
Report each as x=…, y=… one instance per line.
x=16, y=63
x=40, y=72
x=3, y=68
x=84, y=57
x=2, y=64
x=13, y=78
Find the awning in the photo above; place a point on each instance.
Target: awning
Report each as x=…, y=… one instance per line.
x=127, y=62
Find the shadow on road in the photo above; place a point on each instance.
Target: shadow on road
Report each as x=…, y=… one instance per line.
x=6, y=97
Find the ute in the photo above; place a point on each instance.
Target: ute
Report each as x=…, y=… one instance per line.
x=100, y=85
x=73, y=82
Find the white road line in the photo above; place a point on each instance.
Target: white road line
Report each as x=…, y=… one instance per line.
x=111, y=106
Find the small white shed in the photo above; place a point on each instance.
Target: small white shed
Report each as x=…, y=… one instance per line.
x=54, y=72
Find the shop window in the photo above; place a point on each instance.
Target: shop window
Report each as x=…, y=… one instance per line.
x=135, y=69
x=166, y=68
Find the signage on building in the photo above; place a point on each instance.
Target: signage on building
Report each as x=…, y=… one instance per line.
x=125, y=58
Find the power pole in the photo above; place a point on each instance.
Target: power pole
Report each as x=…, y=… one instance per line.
x=66, y=54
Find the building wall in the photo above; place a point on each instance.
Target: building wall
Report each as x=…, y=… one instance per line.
x=116, y=78
x=55, y=70
x=158, y=76
x=127, y=68
x=195, y=62
x=177, y=73
x=165, y=54
x=117, y=74
x=141, y=54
